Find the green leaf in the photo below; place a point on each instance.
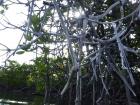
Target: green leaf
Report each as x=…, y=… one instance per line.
x=46, y=50
x=2, y=11
x=35, y=20
x=25, y=47
x=20, y=52
x=28, y=37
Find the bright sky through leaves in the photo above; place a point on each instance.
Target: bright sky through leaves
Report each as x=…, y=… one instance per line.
x=10, y=37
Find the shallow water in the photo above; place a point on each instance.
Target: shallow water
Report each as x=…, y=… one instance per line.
x=19, y=99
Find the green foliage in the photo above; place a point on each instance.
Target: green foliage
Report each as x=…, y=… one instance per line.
x=37, y=76
x=3, y=8
x=28, y=37
x=35, y=20
x=46, y=15
x=15, y=74
x=54, y=68
x=44, y=39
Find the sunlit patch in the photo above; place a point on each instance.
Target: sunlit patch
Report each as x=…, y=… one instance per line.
x=133, y=1
x=55, y=75
x=132, y=36
x=13, y=102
